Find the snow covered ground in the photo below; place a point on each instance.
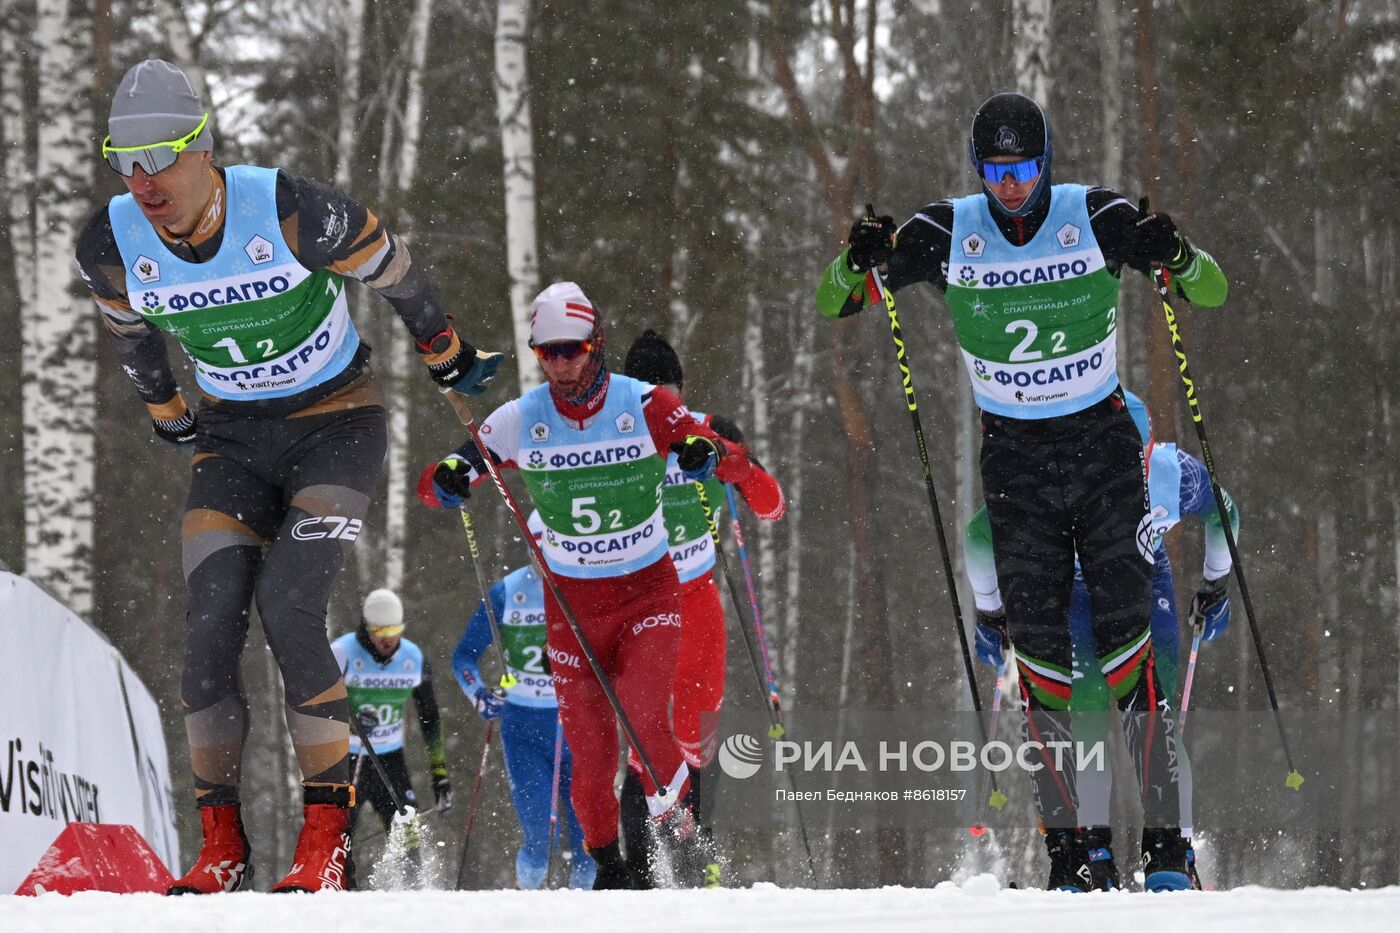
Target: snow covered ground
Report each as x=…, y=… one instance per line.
x=978, y=904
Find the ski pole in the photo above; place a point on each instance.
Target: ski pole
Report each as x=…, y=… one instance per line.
x=998, y=689
x=471, y=808
x=876, y=287
x=366, y=748
x=464, y=414
x=1198, y=628
x=1159, y=279
x=508, y=679
x=775, y=728
x=554, y=785
x=754, y=613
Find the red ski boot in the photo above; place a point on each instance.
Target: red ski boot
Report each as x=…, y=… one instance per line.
x=225, y=862
x=322, y=859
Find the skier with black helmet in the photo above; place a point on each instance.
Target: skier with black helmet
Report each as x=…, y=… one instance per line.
x=1031, y=272
x=697, y=693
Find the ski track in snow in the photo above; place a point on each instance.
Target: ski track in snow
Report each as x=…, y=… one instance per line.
x=978, y=904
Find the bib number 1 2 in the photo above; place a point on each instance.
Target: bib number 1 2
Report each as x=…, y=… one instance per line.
x=268, y=348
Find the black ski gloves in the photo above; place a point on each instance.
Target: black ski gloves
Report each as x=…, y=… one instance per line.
x=698, y=457
x=178, y=431
x=1210, y=608
x=457, y=365
x=1153, y=237
x=452, y=477
x=872, y=242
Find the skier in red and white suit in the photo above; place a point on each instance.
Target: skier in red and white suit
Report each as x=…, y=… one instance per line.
x=592, y=448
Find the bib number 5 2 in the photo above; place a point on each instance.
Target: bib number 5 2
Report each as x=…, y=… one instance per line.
x=587, y=518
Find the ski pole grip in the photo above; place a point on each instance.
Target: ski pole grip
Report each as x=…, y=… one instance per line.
x=460, y=407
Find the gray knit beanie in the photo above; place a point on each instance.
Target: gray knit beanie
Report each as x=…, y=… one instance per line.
x=155, y=103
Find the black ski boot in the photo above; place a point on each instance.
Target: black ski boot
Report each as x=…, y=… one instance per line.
x=682, y=848
x=1098, y=847
x=635, y=834
x=1164, y=864
x=614, y=874
x=1069, y=865
x=701, y=800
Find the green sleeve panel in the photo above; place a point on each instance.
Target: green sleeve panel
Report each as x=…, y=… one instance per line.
x=838, y=282
x=1217, y=561
x=430, y=721
x=1202, y=282
x=980, y=561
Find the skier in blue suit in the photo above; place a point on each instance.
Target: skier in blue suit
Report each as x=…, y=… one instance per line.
x=529, y=715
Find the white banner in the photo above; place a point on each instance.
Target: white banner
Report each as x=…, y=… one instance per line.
x=80, y=735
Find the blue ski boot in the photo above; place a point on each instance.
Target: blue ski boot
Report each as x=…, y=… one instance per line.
x=1164, y=864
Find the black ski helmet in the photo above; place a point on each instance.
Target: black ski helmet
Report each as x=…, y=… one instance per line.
x=1012, y=124
x=651, y=359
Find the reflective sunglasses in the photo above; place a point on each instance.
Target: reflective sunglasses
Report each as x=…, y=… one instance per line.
x=567, y=350
x=154, y=158
x=1020, y=172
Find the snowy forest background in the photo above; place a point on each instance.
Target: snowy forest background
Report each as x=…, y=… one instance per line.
x=693, y=166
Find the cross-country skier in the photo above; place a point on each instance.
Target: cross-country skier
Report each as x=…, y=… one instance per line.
x=529, y=715
x=1178, y=486
x=246, y=268
x=697, y=693
x=592, y=447
x=383, y=670
x=1030, y=271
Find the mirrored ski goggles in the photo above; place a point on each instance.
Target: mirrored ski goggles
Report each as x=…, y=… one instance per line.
x=564, y=350
x=1020, y=172
x=154, y=158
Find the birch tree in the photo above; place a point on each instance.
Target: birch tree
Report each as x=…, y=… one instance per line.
x=1111, y=77
x=1111, y=93
x=16, y=130
x=518, y=163
x=349, y=88
x=180, y=37
x=397, y=368
x=841, y=168
x=57, y=328
x=1030, y=30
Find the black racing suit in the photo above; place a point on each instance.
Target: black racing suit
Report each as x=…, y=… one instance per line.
x=1057, y=488
x=278, y=490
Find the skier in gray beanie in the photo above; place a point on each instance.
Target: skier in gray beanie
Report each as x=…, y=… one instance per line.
x=157, y=103
x=248, y=268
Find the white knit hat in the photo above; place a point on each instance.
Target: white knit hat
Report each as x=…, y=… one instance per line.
x=561, y=312
x=383, y=613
